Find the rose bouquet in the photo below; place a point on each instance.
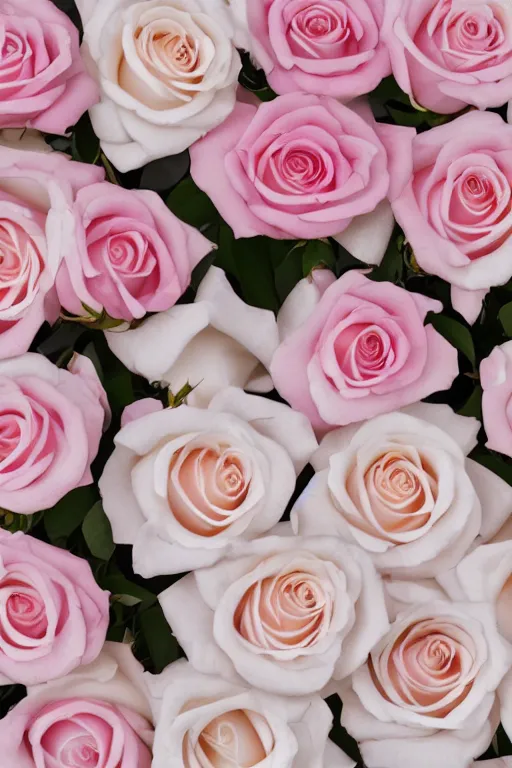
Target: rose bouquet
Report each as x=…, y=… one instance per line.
x=255, y=384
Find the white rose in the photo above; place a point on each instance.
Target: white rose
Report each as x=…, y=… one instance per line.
x=402, y=488
x=202, y=720
x=286, y=614
x=216, y=342
x=168, y=72
x=427, y=694
x=184, y=484
x=499, y=762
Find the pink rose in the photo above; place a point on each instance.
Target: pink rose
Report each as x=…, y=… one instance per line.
x=496, y=380
x=96, y=717
x=36, y=228
x=43, y=83
x=300, y=166
x=53, y=615
x=133, y=255
x=352, y=349
x=449, y=53
x=427, y=694
x=51, y=422
x=329, y=47
x=455, y=209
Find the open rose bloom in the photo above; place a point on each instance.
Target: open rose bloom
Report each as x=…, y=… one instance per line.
x=401, y=488
x=37, y=192
x=184, y=485
x=428, y=689
x=330, y=48
x=202, y=720
x=43, y=82
x=167, y=70
x=455, y=208
x=449, y=53
x=496, y=378
x=301, y=166
x=98, y=716
x=353, y=348
x=283, y=613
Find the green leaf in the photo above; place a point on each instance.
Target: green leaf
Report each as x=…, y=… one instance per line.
x=193, y=206
x=162, y=645
x=505, y=316
x=494, y=462
x=120, y=586
x=317, y=253
x=391, y=268
x=454, y=332
x=290, y=271
x=98, y=533
x=255, y=272
x=473, y=405
x=85, y=145
x=68, y=514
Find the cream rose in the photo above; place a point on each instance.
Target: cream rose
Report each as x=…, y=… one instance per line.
x=284, y=613
x=202, y=720
x=183, y=485
x=216, y=342
x=402, y=488
x=426, y=696
x=168, y=73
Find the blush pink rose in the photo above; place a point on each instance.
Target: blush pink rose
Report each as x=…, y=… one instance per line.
x=496, y=380
x=330, y=47
x=449, y=53
x=36, y=202
x=43, y=82
x=300, y=166
x=353, y=348
x=427, y=694
x=51, y=421
x=133, y=255
x=96, y=717
x=455, y=209
x=53, y=615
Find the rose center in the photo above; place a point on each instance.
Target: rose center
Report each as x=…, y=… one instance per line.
x=25, y=609
x=170, y=55
x=128, y=253
x=291, y=610
x=13, y=48
x=10, y=433
x=21, y=263
x=235, y=738
x=80, y=752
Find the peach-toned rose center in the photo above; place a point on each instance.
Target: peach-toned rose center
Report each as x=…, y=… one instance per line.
x=206, y=487
x=395, y=494
x=430, y=665
x=237, y=739
x=168, y=51
x=290, y=610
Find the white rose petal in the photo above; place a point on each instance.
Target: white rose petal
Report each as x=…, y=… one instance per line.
x=327, y=611
x=401, y=487
x=168, y=71
x=183, y=485
x=196, y=712
x=217, y=342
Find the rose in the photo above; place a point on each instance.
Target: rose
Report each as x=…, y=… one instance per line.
x=97, y=716
x=183, y=485
x=353, y=348
x=42, y=77
x=449, y=53
x=496, y=380
x=216, y=342
x=53, y=616
x=500, y=762
x=330, y=47
x=455, y=208
x=173, y=77
x=36, y=200
x=400, y=486
x=300, y=166
x=203, y=720
x=133, y=255
x=426, y=694
x=51, y=420
x=284, y=613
